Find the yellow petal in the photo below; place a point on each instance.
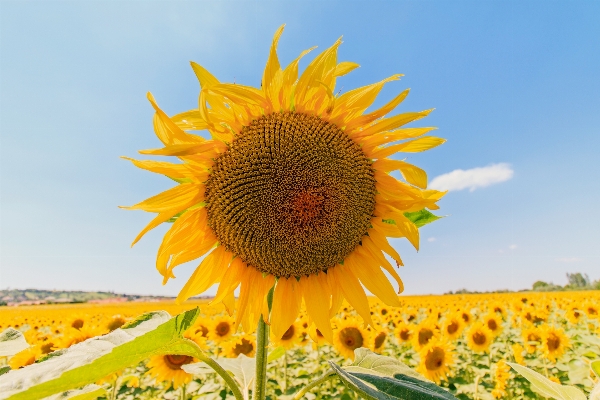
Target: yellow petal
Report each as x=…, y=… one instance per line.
x=180, y=197
x=231, y=279
x=186, y=149
x=205, y=78
x=369, y=245
x=411, y=173
x=191, y=120
x=166, y=130
x=209, y=271
x=337, y=296
x=413, y=146
x=364, y=120
x=287, y=299
x=370, y=274
x=290, y=76
x=239, y=94
x=344, y=68
x=161, y=167
x=316, y=293
x=381, y=242
x=352, y=290
x=159, y=219
x=387, y=137
x=391, y=123
x=272, y=66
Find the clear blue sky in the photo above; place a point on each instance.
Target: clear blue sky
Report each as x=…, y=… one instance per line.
x=513, y=83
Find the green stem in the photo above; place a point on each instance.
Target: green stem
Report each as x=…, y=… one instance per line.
x=183, y=394
x=285, y=375
x=262, y=341
x=324, y=378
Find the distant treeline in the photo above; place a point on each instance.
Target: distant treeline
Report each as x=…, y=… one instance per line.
x=576, y=281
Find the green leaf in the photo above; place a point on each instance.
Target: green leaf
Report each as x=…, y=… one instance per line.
x=90, y=392
x=243, y=369
x=544, y=386
x=578, y=372
x=4, y=369
x=421, y=218
x=367, y=362
x=275, y=354
x=374, y=387
x=12, y=342
x=87, y=362
x=596, y=367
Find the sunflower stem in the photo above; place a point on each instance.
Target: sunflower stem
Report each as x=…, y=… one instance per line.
x=324, y=378
x=262, y=341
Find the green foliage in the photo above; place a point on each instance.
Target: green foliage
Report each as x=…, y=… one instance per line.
x=545, y=387
x=11, y=342
x=96, y=358
x=422, y=217
x=89, y=392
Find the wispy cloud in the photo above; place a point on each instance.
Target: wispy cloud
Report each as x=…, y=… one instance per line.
x=431, y=239
x=569, y=259
x=473, y=178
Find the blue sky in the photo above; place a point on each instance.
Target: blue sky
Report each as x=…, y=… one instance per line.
x=515, y=86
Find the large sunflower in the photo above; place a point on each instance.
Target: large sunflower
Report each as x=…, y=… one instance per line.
x=292, y=188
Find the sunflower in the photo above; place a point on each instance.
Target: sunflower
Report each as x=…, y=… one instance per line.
x=423, y=333
x=379, y=339
x=221, y=329
x=167, y=368
x=436, y=359
x=592, y=310
x=244, y=344
x=349, y=336
x=293, y=187
x=453, y=326
x=404, y=332
x=479, y=337
x=316, y=335
x=517, y=350
x=501, y=375
x=25, y=357
x=291, y=337
x=532, y=337
x=115, y=322
x=554, y=342
x=494, y=323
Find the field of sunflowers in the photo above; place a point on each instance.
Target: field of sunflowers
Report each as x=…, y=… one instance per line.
x=461, y=342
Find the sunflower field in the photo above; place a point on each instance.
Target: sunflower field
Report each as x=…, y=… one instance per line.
x=463, y=343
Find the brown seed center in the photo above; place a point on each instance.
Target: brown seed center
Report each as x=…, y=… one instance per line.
x=479, y=338
x=351, y=338
x=292, y=195
x=175, y=361
x=434, y=358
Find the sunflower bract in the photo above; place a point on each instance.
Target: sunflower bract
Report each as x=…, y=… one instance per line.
x=293, y=189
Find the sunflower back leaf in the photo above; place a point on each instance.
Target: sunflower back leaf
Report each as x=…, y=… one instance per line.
x=422, y=217
x=93, y=359
x=401, y=386
x=545, y=387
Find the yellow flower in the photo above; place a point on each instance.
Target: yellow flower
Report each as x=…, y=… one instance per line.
x=554, y=342
x=436, y=359
x=221, y=329
x=316, y=335
x=404, y=332
x=453, y=326
x=379, y=339
x=349, y=336
x=501, y=375
x=115, y=322
x=25, y=357
x=517, y=350
x=291, y=337
x=532, y=337
x=494, y=323
x=167, y=368
x=479, y=337
x=423, y=333
x=293, y=187
x=244, y=344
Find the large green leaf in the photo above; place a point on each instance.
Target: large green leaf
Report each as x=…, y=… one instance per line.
x=11, y=342
x=367, y=362
x=89, y=392
x=422, y=217
x=377, y=387
x=243, y=369
x=544, y=386
x=88, y=361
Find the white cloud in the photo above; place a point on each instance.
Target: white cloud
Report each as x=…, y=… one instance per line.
x=431, y=239
x=512, y=246
x=473, y=178
x=569, y=259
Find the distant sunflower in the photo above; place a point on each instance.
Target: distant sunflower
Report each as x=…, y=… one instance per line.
x=349, y=336
x=532, y=337
x=554, y=342
x=436, y=359
x=291, y=337
x=294, y=186
x=494, y=323
x=379, y=339
x=453, y=326
x=167, y=368
x=244, y=344
x=423, y=333
x=25, y=357
x=404, y=332
x=221, y=329
x=479, y=337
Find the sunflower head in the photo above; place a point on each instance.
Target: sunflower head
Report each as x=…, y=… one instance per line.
x=436, y=359
x=554, y=342
x=167, y=368
x=293, y=189
x=349, y=336
x=479, y=337
x=423, y=334
x=244, y=344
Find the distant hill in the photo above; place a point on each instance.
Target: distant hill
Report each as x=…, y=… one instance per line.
x=37, y=296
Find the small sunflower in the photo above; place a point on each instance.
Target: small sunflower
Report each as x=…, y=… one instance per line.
x=479, y=337
x=293, y=187
x=379, y=339
x=453, y=326
x=25, y=357
x=423, y=333
x=116, y=322
x=554, y=342
x=518, y=350
x=437, y=358
x=404, y=332
x=167, y=368
x=244, y=344
x=291, y=337
x=349, y=336
x=501, y=375
x=532, y=337
x=221, y=329
x=494, y=323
